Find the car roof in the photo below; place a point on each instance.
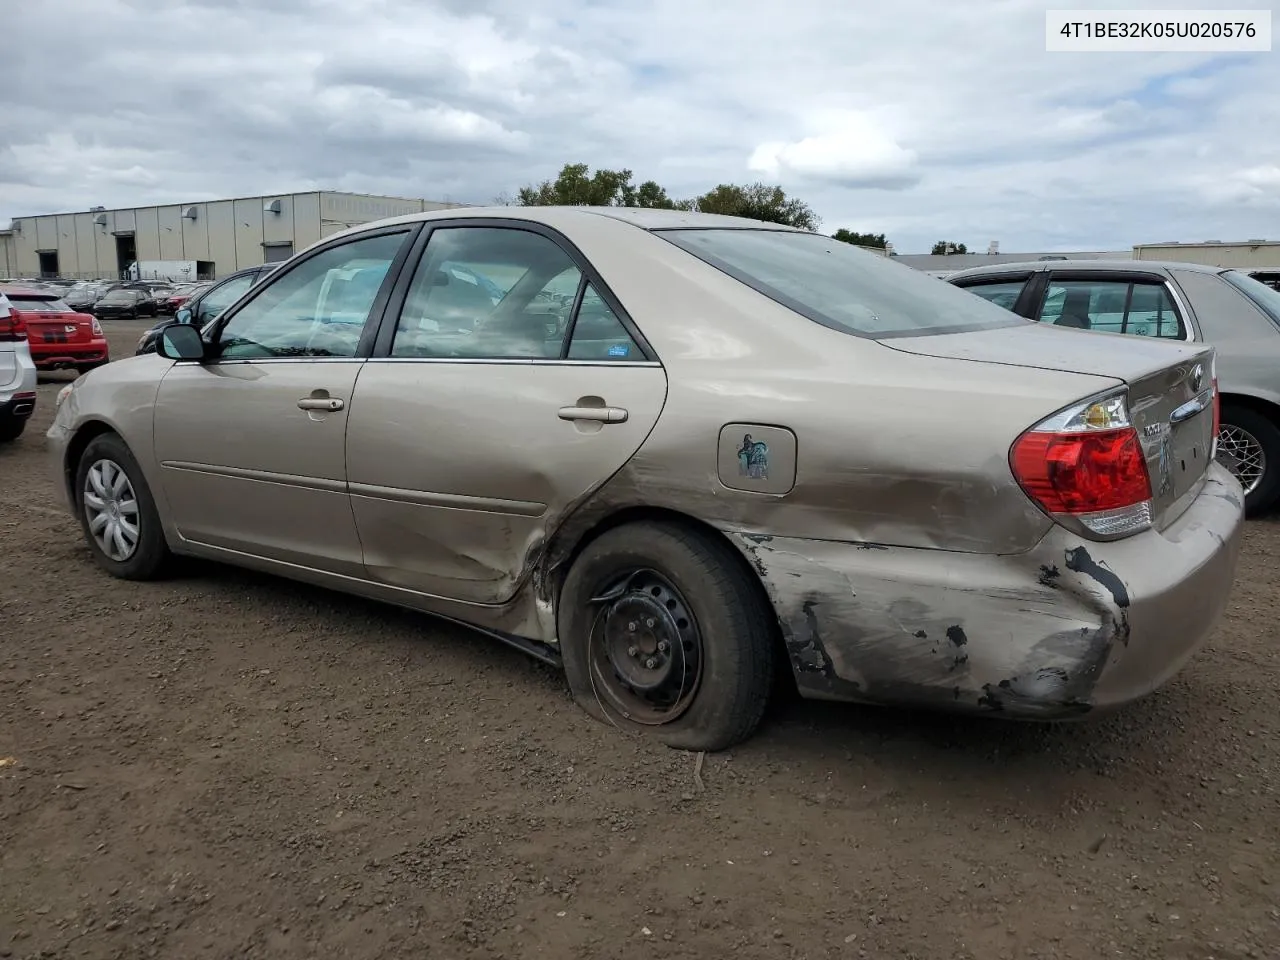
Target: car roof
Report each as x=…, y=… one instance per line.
x=647, y=218
x=1101, y=266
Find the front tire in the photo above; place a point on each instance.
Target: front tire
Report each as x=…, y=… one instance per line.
x=1249, y=446
x=118, y=513
x=662, y=630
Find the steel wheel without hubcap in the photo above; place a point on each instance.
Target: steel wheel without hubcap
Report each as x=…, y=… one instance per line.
x=111, y=510
x=645, y=649
x=1241, y=453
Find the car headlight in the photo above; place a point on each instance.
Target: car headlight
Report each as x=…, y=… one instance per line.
x=63, y=394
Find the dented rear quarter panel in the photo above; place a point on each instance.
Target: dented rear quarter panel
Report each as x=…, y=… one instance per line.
x=1065, y=628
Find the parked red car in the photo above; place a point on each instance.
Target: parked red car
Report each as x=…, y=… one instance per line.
x=57, y=335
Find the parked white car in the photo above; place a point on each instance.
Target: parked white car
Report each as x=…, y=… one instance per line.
x=17, y=374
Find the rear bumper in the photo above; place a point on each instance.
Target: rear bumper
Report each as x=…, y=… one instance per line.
x=55, y=356
x=17, y=406
x=1066, y=628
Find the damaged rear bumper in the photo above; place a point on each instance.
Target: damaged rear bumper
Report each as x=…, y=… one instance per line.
x=1065, y=628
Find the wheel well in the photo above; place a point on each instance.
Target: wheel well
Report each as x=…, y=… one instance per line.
x=1264, y=407
x=662, y=515
x=75, y=449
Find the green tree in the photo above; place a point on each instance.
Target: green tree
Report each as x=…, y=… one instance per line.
x=944, y=247
x=577, y=186
x=860, y=239
x=758, y=201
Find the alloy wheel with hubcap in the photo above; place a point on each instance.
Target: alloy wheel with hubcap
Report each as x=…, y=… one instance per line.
x=1241, y=453
x=111, y=510
x=117, y=511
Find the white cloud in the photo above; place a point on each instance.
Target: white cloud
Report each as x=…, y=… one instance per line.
x=853, y=152
x=925, y=118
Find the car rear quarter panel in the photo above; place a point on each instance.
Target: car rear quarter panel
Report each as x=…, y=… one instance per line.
x=1247, y=342
x=892, y=448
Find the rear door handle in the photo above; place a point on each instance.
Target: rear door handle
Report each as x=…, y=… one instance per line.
x=320, y=403
x=599, y=414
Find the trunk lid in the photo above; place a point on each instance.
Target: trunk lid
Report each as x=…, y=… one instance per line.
x=1170, y=391
x=54, y=328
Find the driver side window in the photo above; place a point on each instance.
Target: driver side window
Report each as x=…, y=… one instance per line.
x=317, y=309
x=488, y=293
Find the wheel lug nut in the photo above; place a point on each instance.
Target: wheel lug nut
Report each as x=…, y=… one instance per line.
x=649, y=623
x=632, y=626
x=632, y=651
x=663, y=646
x=651, y=663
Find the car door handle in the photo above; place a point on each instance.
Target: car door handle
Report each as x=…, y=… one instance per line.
x=599, y=414
x=320, y=403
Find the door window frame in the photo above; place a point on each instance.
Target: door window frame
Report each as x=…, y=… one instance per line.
x=390, y=318
x=1025, y=305
x=1083, y=275
x=377, y=311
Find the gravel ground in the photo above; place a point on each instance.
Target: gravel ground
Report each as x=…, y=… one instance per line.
x=231, y=765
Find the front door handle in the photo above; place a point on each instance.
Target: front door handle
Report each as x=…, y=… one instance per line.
x=598, y=414
x=320, y=403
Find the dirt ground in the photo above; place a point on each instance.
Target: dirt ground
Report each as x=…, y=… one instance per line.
x=228, y=765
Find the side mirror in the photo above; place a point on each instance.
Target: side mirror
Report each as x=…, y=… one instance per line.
x=183, y=315
x=180, y=342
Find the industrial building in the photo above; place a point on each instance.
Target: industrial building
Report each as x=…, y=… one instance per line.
x=1251, y=255
x=221, y=236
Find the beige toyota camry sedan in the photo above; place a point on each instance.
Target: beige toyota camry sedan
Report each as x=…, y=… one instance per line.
x=677, y=454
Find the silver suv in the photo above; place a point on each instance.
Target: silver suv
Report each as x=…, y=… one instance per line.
x=17, y=374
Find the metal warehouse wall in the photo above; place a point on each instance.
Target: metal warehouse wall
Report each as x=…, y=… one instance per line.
x=8, y=256
x=1253, y=255
x=231, y=233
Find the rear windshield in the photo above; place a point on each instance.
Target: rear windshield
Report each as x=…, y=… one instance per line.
x=38, y=304
x=121, y=296
x=1267, y=299
x=839, y=286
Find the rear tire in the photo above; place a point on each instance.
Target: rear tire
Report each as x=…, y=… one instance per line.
x=670, y=609
x=1249, y=446
x=147, y=556
x=11, y=429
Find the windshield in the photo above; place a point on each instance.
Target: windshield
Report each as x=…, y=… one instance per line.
x=1266, y=299
x=839, y=286
x=120, y=296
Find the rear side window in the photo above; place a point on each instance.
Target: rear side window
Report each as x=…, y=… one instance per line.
x=840, y=286
x=1113, y=306
x=1003, y=293
x=1264, y=297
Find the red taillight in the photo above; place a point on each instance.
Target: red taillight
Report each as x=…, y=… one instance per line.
x=97, y=327
x=1086, y=465
x=11, y=329
x=1077, y=473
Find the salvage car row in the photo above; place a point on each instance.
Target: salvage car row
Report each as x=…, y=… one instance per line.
x=676, y=454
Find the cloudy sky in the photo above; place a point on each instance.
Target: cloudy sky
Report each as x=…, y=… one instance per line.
x=924, y=119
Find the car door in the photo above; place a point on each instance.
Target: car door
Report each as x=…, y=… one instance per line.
x=1136, y=303
x=251, y=441
x=506, y=385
